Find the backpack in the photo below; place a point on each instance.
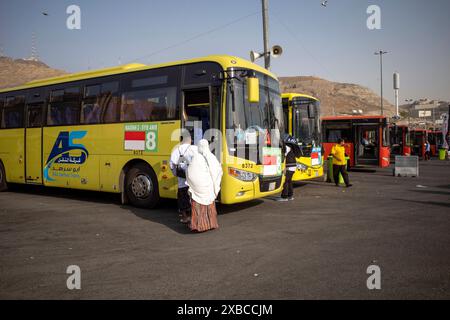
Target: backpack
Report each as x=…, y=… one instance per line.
x=180, y=172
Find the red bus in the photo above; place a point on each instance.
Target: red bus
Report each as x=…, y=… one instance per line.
x=436, y=140
x=366, y=137
x=418, y=139
x=400, y=141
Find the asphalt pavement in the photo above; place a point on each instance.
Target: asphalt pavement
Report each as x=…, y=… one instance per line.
x=318, y=246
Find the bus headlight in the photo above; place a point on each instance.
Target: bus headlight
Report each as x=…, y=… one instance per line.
x=301, y=167
x=241, y=175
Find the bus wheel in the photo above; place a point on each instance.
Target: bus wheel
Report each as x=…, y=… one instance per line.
x=3, y=185
x=141, y=186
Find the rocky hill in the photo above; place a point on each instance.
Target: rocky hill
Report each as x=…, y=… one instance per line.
x=18, y=71
x=337, y=98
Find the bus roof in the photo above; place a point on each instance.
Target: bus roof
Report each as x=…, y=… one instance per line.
x=290, y=96
x=358, y=117
x=226, y=61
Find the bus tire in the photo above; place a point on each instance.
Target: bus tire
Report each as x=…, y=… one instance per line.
x=3, y=184
x=141, y=186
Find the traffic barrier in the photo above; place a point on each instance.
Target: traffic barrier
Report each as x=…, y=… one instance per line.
x=406, y=166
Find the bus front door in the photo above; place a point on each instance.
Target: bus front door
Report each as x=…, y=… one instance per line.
x=196, y=113
x=33, y=143
x=366, y=145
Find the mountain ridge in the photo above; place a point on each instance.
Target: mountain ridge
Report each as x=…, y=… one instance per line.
x=336, y=98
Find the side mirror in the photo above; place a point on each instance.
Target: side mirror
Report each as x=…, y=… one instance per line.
x=253, y=89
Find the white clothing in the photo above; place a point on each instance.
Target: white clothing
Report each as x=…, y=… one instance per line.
x=204, y=175
x=185, y=150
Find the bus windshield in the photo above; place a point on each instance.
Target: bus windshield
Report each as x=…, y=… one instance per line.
x=306, y=120
x=261, y=118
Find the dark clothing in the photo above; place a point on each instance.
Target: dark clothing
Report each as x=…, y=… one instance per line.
x=342, y=170
x=291, y=161
x=288, y=190
x=427, y=155
x=183, y=200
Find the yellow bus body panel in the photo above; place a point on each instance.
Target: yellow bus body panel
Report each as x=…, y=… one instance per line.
x=12, y=154
x=311, y=172
x=33, y=155
x=105, y=144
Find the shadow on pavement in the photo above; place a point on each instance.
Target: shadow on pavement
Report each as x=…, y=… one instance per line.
x=444, y=193
x=166, y=213
x=72, y=194
x=433, y=203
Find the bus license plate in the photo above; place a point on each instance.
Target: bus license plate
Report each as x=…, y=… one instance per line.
x=272, y=186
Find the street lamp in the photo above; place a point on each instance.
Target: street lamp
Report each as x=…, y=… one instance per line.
x=411, y=103
x=381, y=53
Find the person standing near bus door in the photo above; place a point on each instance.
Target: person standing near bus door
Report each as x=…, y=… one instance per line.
x=291, y=145
x=179, y=161
x=204, y=176
x=427, y=150
x=340, y=163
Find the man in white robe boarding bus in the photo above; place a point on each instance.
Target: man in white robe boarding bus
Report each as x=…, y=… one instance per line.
x=179, y=161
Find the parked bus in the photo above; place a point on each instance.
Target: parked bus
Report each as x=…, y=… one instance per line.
x=400, y=140
x=436, y=140
x=366, y=137
x=418, y=139
x=302, y=121
x=113, y=129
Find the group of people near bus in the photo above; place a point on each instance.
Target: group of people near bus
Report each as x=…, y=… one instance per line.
x=199, y=176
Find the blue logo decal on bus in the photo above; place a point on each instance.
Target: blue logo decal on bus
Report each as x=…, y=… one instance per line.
x=62, y=148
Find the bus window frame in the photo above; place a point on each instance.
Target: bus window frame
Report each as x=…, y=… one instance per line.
x=126, y=86
x=64, y=100
x=14, y=95
x=114, y=94
x=2, y=102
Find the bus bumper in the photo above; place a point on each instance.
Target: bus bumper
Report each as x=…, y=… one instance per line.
x=309, y=173
x=236, y=191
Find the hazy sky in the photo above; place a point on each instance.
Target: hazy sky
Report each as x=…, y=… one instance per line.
x=331, y=42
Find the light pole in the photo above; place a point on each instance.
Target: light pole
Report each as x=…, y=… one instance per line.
x=381, y=53
x=265, y=16
x=411, y=103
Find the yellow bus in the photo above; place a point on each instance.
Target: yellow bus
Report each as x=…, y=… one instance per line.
x=113, y=129
x=302, y=120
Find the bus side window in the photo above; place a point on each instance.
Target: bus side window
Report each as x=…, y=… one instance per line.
x=2, y=102
x=64, y=107
x=34, y=117
x=13, y=112
x=100, y=103
x=90, y=108
x=110, y=102
x=149, y=105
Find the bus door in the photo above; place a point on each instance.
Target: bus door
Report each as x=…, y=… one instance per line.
x=197, y=112
x=418, y=144
x=33, y=142
x=406, y=142
x=367, y=142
